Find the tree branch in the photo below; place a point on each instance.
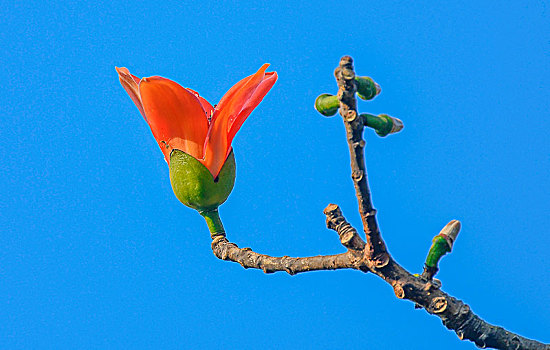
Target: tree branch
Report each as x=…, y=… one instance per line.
x=375, y=251
x=225, y=250
x=372, y=255
x=454, y=313
x=347, y=233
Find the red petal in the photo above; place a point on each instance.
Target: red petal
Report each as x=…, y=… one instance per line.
x=174, y=115
x=205, y=104
x=234, y=107
x=130, y=84
x=257, y=97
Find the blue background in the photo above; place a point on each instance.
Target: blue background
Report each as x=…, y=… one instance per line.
x=96, y=251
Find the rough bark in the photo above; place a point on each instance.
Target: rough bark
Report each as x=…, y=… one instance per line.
x=225, y=250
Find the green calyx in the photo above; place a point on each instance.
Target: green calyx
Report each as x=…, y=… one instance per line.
x=194, y=185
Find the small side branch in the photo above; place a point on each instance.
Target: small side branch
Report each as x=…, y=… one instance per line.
x=225, y=250
x=441, y=245
x=347, y=233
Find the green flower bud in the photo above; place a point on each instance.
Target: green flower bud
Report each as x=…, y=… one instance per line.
x=367, y=89
x=327, y=104
x=441, y=245
x=383, y=124
x=194, y=185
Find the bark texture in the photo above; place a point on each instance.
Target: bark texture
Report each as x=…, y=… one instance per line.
x=225, y=250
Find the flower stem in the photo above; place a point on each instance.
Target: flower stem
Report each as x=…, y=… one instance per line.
x=439, y=248
x=213, y=222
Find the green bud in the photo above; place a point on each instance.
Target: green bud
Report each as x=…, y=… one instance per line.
x=383, y=124
x=194, y=185
x=367, y=89
x=443, y=243
x=439, y=248
x=327, y=104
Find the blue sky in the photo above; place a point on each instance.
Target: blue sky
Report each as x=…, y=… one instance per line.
x=96, y=251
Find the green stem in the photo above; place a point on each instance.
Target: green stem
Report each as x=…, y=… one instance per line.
x=213, y=222
x=439, y=247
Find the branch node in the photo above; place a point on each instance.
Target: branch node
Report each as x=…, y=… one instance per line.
x=351, y=115
x=429, y=272
x=371, y=213
x=432, y=284
x=347, y=237
x=398, y=290
x=438, y=305
x=348, y=74
x=360, y=144
x=347, y=234
x=289, y=271
x=357, y=175
x=381, y=260
x=480, y=343
x=346, y=61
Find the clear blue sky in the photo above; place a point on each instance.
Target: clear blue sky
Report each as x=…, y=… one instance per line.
x=96, y=252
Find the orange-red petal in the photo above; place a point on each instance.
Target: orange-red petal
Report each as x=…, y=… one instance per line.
x=204, y=103
x=235, y=106
x=257, y=97
x=130, y=83
x=175, y=116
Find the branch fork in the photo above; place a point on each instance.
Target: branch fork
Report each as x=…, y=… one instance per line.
x=371, y=255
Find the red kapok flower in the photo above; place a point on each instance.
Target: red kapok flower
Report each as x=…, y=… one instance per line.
x=182, y=120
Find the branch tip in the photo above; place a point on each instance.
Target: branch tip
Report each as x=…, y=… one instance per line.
x=347, y=234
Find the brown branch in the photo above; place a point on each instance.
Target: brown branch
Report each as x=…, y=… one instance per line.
x=372, y=255
x=454, y=313
x=225, y=250
x=375, y=252
x=347, y=233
